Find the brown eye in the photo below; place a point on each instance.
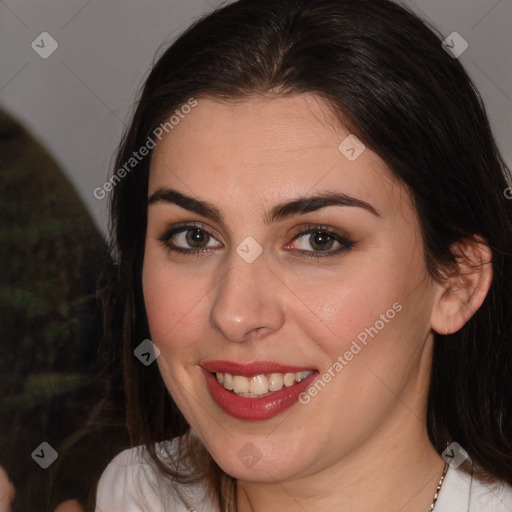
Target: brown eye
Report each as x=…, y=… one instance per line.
x=321, y=241
x=197, y=237
x=317, y=240
x=189, y=239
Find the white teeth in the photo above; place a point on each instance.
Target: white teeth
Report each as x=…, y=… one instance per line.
x=301, y=375
x=289, y=379
x=275, y=382
x=240, y=384
x=260, y=385
x=228, y=381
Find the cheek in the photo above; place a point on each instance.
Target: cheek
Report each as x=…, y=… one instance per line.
x=173, y=303
x=339, y=308
x=371, y=315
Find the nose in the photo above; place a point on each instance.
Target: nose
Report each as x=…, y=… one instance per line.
x=246, y=302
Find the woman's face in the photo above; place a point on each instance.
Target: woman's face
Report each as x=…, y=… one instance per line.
x=282, y=283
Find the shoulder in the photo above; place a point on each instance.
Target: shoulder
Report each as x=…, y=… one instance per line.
x=131, y=483
x=490, y=497
x=124, y=484
x=461, y=492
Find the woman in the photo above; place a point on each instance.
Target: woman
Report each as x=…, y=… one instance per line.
x=314, y=244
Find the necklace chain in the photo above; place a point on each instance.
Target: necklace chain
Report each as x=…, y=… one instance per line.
x=439, y=485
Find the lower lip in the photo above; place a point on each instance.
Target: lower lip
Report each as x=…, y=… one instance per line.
x=256, y=408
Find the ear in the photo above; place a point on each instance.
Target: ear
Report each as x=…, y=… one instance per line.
x=463, y=289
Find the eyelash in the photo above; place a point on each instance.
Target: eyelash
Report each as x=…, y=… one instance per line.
x=346, y=244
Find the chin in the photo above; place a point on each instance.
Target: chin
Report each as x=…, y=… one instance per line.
x=260, y=461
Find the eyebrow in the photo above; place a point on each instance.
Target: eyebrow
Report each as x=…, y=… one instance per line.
x=280, y=211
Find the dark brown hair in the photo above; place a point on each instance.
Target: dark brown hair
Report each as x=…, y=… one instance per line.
x=385, y=74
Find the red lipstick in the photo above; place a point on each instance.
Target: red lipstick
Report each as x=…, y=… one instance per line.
x=257, y=408
x=251, y=369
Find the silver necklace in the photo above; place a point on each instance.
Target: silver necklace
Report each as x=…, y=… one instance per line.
x=439, y=485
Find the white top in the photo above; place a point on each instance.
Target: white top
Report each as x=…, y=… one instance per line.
x=131, y=484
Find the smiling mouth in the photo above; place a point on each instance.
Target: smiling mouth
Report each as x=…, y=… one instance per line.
x=258, y=390
x=260, y=386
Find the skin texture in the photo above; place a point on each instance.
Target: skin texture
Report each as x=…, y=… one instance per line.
x=69, y=506
x=6, y=491
x=366, y=429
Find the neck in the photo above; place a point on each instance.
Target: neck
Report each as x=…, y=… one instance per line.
x=404, y=478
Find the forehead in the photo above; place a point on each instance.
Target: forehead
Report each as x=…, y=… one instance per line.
x=265, y=149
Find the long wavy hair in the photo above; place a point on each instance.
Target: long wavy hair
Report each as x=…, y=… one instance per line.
x=385, y=74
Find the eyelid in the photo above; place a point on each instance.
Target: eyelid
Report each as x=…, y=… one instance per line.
x=173, y=230
x=312, y=228
x=303, y=230
x=342, y=238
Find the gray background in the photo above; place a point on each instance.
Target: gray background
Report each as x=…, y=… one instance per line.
x=77, y=100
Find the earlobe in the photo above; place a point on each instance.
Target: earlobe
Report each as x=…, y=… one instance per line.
x=464, y=289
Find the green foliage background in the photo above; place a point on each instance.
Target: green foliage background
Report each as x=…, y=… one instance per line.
x=51, y=255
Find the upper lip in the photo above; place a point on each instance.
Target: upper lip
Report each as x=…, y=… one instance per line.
x=251, y=369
